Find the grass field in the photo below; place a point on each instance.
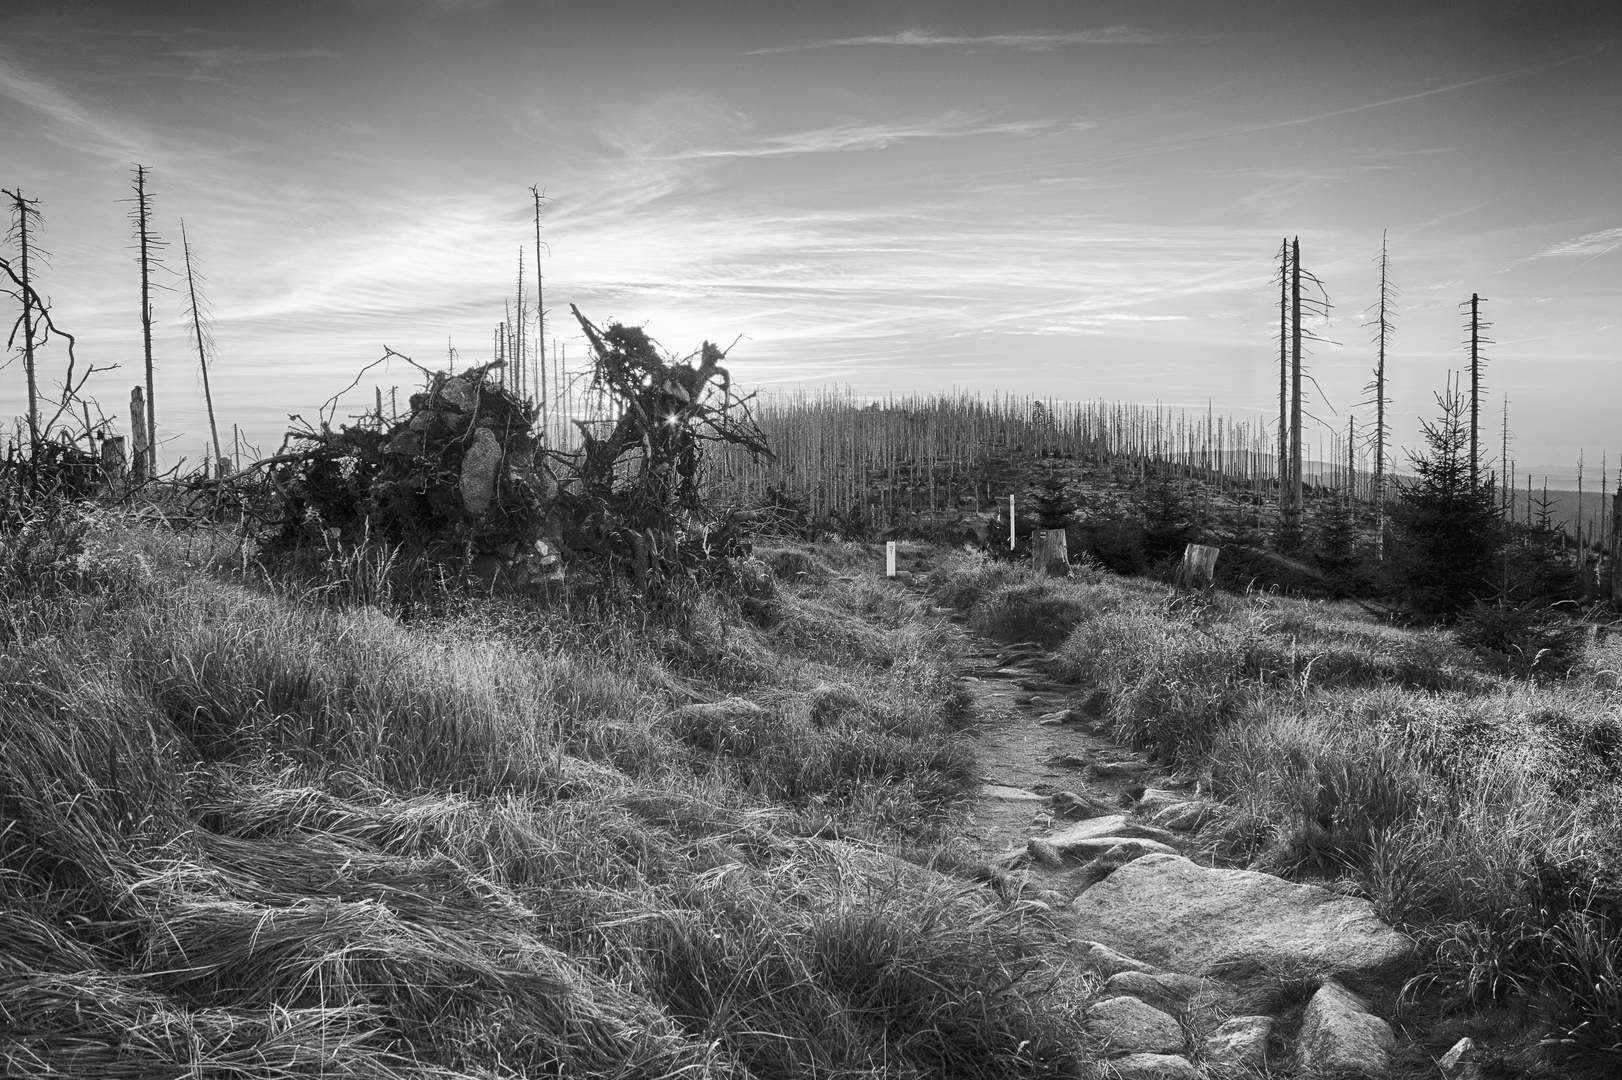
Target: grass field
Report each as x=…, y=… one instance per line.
x=250, y=827
x=247, y=831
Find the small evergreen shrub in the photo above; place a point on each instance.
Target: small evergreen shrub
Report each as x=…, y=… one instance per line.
x=1523, y=639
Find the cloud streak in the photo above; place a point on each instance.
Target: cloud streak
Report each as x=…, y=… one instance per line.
x=69, y=117
x=851, y=137
x=1032, y=41
x=1592, y=244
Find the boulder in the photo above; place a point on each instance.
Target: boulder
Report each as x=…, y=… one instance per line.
x=1130, y=1026
x=1190, y=918
x=1239, y=1043
x=1340, y=1037
x=1109, y=962
x=1151, y=1067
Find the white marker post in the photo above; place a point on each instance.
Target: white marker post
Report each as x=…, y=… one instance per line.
x=1010, y=523
x=889, y=558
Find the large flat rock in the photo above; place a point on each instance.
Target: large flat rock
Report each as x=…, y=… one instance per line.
x=1178, y=915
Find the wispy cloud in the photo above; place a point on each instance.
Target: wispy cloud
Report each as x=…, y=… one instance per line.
x=76, y=125
x=849, y=137
x=1036, y=41
x=1592, y=245
x=212, y=60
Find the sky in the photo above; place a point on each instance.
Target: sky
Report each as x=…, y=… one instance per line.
x=1075, y=200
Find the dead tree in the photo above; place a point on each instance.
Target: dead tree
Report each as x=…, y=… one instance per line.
x=1476, y=327
x=1283, y=372
x=203, y=343
x=1318, y=306
x=44, y=328
x=1383, y=325
x=25, y=213
x=141, y=216
x=540, y=315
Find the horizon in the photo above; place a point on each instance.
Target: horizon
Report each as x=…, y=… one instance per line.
x=1077, y=202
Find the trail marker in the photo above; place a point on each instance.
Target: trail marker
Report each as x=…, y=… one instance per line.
x=889, y=558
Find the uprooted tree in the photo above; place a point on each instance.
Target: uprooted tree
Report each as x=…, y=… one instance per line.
x=464, y=484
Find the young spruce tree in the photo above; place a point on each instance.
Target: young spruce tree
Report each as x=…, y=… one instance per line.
x=1446, y=526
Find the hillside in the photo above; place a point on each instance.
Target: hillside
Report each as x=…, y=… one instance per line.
x=252, y=827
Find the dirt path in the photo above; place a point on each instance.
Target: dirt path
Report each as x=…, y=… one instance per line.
x=1036, y=739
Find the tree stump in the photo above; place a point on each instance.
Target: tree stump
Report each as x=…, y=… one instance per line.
x=1198, y=568
x=113, y=461
x=139, y=451
x=1050, y=552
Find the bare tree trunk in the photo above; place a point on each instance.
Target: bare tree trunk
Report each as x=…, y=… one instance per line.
x=1293, y=515
x=1380, y=400
x=540, y=316
x=143, y=221
x=1283, y=374
x=24, y=210
x=1475, y=389
x=202, y=352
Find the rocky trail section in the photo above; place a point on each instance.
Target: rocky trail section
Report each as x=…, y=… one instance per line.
x=1206, y=972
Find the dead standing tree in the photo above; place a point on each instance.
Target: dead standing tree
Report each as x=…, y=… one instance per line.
x=204, y=343
x=1383, y=324
x=141, y=218
x=1292, y=483
x=25, y=214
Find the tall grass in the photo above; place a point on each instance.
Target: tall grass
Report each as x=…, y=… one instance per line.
x=247, y=831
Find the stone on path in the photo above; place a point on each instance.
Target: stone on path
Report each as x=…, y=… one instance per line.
x=1076, y=805
x=1074, y=849
x=1185, y=816
x=1007, y=793
x=1174, y=913
x=1239, y=1043
x=1167, y=992
x=1130, y=1026
x=1106, y=864
x=1155, y=799
x=1151, y=1067
x=1106, y=769
x=1118, y=826
x=1110, y=962
x=1339, y=1035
